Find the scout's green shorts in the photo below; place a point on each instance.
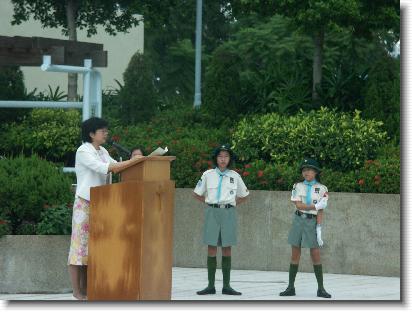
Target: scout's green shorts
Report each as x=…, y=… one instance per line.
x=303, y=232
x=220, y=226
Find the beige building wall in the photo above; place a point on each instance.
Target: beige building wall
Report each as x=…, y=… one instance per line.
x=120, y=49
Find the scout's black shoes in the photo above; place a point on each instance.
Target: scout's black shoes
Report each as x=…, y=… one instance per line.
x=288, y=292
x=230, y=291
x=322, y=293
x=207, y=291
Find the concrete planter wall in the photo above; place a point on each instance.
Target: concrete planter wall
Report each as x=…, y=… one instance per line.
x=361, y=234
x=34, y=264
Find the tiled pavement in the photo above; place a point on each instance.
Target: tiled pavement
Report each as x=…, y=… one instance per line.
x=265, y=285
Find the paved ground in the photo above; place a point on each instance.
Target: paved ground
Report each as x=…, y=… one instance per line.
x=265, y=285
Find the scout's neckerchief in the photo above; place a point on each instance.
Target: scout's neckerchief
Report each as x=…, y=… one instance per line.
x=309, y=191
x=219, y=187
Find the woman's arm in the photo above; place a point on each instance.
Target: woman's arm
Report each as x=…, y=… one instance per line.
x=119, y=166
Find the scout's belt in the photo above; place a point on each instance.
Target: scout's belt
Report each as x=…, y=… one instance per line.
x=304, y=215
x=221, y=205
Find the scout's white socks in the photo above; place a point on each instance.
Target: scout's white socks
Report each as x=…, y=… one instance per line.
x=319, y=235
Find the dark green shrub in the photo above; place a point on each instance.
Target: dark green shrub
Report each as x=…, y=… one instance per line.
x=5, y=227
x=340, y=141
x=26, y=228
x=382, y=95
x=12, y=88
x=55, y=220
x=382, y=175
x=260, y=175
x=138, y=97
x=28, y=185
x=50, y=133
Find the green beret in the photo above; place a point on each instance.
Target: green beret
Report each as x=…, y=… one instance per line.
x=309, y=163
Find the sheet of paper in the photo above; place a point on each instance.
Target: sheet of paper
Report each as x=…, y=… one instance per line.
x=159, y=151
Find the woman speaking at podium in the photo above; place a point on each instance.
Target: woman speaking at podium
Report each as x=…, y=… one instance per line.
x=93, y=166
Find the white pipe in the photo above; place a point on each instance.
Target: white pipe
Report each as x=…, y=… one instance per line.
x=86, y=96
x=40, y=104
x=98, y=92
x=46, y=66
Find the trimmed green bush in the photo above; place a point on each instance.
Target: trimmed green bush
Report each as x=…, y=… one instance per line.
x=28, y=185
x=190, y=138
x=340, y=141
x=55, y=220
x=51, y=133
x=381, y=175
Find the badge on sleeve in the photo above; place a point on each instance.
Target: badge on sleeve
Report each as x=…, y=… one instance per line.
x=199, y=184
x=294, y=192
x=232, y=180
x=317, y=189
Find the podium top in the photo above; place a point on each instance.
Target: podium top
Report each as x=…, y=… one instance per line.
x=148, y=168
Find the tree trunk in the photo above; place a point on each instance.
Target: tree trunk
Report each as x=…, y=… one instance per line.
x=317, y=62
x=71, y=9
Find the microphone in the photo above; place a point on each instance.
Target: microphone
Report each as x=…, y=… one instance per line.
x=118, y=147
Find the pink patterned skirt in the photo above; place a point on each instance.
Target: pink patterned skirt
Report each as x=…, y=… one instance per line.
x=80, y=232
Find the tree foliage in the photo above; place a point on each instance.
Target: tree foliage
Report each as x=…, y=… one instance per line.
x=114, y=16
x=263, y=68
x=364, y=18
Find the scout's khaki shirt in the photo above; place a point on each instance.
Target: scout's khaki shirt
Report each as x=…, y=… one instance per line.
x=232, y=187
x=318, y=191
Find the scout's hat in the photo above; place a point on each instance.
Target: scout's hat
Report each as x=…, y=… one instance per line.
x=223, y=147
x=310, y=163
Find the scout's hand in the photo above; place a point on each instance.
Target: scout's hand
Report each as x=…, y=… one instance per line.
x=321, y=204
x=319, y=235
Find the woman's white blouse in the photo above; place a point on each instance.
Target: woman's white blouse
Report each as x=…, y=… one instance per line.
x=91, y=168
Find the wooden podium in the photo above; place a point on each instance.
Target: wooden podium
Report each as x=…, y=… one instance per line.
x=131, y=234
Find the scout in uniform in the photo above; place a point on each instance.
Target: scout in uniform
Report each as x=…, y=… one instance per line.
x=310, y=198
x=222, y=190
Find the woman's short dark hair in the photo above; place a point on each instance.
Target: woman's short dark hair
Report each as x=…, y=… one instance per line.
x=135, y=149
x=92, y=125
